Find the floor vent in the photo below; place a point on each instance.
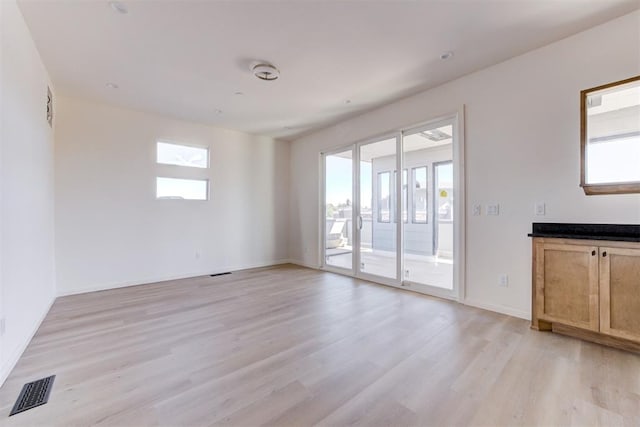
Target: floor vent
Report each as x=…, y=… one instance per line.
x=33, y=394
x=219, y=274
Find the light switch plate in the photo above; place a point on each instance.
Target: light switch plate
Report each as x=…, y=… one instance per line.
x=477, y=210
x=493, y=209
x=540, y=209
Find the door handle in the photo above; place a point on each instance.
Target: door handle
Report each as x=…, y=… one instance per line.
x=604, y=254
x=593, y=253
x=359, y=222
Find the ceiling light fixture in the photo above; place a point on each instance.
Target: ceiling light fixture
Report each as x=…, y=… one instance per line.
x=118, y=7
x=446, y=55
x=265, y=71
x=112, y=85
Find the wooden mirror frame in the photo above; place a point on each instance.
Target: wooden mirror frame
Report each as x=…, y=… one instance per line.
x=593, y=189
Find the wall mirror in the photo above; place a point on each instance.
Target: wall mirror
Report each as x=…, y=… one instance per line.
x=610, y=138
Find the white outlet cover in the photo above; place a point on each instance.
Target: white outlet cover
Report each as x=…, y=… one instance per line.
x=503, y=280
x=493, y=209
x=540, y=209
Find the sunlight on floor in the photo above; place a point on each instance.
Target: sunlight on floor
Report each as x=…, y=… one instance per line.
x=424, y=269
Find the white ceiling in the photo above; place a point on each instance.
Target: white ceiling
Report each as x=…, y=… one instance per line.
x=186, y=59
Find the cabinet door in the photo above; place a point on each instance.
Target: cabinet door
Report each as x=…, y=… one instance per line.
x=620, y=292
x=567, y=284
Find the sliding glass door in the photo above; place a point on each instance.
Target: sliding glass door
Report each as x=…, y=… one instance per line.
x=428, y=233
x=338, y=209
x=389, y=212
x=376, y=209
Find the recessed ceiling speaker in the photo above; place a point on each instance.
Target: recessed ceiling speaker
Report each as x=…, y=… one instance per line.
x=266, y=71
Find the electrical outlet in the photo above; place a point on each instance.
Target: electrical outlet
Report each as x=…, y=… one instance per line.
x=477, y=210
x=493, y=209
x=503, y=281
x=540, y=209
x=406, y=273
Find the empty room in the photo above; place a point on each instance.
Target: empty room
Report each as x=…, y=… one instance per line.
x=296, y=213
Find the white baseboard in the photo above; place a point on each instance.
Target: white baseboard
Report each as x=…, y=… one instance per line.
x=12, y=360
x=509, y=311
x=303, y=264
x=156, y=279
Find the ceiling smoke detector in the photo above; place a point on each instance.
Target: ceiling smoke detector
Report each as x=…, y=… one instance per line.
x=446, y=55
x=266, y=72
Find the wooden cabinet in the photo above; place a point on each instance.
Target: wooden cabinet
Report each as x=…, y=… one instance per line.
x=620, y=292
x=568, y=290
x=589, y=286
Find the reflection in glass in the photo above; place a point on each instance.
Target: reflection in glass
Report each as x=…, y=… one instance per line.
x=419, y=195
x=613, y=134
x=378, y=231
x=338, y=209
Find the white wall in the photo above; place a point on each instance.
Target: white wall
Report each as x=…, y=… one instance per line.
x=522, y=146
x=27, y=278
x=112, y=232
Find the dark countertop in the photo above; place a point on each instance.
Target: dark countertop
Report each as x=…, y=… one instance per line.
x=612, y=232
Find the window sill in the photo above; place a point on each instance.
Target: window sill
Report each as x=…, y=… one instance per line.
x=622, y=188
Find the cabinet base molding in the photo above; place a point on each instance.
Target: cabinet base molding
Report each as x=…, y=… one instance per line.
x=595, y=337
x=541, y=325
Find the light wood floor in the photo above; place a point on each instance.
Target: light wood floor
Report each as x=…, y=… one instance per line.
x=290, y=346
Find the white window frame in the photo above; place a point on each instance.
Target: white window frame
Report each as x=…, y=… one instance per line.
x=183, y=172
x=201, y=147
x=205, y=180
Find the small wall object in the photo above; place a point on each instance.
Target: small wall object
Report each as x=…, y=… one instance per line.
x=49, y=107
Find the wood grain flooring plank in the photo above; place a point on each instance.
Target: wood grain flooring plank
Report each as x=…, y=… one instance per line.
x=290, y=346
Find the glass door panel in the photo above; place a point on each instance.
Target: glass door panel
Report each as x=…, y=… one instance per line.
x=428, y=232
x=377, y=212
x=338, y=208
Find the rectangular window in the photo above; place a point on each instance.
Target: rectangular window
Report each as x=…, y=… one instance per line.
x=182, y=155
x=384, y=199
x=405, y=200
x=182, y=189
x=443, y=175
x=419, y=211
